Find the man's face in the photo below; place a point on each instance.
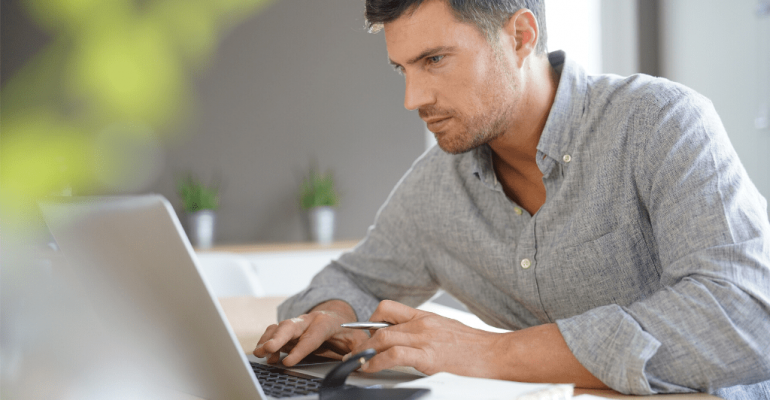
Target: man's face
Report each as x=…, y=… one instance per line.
x=462, y=88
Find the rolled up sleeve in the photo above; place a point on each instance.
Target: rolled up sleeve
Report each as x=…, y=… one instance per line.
x=620, y=357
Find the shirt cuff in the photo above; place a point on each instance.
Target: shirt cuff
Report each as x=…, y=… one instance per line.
x=612, y=346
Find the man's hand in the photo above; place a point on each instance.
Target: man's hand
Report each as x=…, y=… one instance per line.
x=316, y=332
x=431, y=343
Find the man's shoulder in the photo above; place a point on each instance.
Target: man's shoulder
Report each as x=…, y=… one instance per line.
x=641, y=91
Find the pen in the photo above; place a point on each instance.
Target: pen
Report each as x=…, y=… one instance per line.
x=366, y=325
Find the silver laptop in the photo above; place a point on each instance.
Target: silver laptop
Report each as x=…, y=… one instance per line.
x=140, y=275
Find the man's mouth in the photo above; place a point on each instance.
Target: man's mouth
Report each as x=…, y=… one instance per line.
x=435, y=124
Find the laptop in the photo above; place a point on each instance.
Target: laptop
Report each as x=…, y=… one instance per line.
x=140, y=276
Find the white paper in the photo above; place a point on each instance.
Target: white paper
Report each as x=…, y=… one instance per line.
x=446, y=386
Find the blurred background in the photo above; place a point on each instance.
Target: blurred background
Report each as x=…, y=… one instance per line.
x=129, y=96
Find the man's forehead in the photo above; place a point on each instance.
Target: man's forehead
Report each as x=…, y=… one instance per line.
x=431, y=25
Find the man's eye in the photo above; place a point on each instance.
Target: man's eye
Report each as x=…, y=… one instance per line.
x=435, y=59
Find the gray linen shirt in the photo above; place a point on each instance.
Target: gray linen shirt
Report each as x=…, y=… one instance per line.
x=651, y=252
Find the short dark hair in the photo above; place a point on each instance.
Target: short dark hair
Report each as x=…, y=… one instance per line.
x=488, y=16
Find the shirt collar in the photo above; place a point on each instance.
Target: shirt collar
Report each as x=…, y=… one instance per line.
x=566, y=112
x=482, y=167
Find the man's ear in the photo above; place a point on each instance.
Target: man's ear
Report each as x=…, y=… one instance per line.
x=523, y=33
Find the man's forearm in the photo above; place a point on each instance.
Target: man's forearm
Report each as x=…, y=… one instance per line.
x=540, y=354
x=431, y=343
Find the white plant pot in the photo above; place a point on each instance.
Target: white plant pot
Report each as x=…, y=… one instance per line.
x=322, y=224
x=201, y=228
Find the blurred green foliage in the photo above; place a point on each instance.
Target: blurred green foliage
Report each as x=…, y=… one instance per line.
x=197, y=196
x=118, y=69
x=317, y=190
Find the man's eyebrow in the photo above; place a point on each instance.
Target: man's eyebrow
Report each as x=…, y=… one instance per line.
x=427, y=53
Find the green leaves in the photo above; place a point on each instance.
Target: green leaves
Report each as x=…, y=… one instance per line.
x=318, y=190
x=196, y=196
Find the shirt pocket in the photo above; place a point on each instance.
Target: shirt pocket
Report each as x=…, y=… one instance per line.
x=614, y=268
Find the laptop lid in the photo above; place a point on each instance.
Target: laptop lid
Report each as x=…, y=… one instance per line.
x=139, y=272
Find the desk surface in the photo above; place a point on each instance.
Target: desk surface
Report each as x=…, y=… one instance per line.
x=250, y=316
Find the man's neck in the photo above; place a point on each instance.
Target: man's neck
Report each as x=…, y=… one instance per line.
x=519, y=143
x=515, y=150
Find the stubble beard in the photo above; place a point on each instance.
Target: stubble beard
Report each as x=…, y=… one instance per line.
x=478, y=131
x=483, y=127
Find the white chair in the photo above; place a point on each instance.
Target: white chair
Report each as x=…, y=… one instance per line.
x=229, y=275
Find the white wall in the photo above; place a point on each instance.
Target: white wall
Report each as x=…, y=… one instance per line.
x=575, y=27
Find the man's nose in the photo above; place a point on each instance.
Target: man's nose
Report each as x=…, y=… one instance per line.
x=417, y=94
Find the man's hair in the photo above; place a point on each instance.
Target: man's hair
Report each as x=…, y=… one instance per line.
x=488, y=16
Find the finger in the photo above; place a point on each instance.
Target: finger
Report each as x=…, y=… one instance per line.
x=315, y=335
x=285, y=349
x=394, y=312
x=259, y=351
x=288, y=330
x=273, y=358
x=399, y=356
x=288, y=346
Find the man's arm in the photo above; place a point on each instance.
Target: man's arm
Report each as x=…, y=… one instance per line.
x=431, y=344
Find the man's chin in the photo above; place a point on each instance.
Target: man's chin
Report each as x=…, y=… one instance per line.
x=453, y=147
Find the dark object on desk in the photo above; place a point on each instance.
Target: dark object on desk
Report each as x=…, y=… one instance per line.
x=333, y=386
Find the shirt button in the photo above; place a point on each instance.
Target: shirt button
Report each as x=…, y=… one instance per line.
x=518, y=211
x=525, y=263
x=567, y=158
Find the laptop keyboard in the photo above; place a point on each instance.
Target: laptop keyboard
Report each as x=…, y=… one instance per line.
x=281, y=383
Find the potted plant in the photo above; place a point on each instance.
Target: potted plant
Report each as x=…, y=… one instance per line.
x=318, y=197
x=200, y=203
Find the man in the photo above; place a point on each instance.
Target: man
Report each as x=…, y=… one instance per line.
x=607, y=220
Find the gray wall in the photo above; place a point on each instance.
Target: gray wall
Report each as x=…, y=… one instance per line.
x=301, y=81
x=620, y=32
